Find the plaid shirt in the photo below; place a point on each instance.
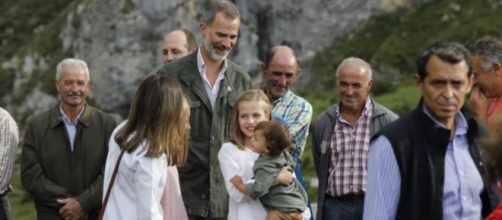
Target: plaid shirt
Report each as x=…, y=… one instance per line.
x=297, y=113
x=9, y=137
x=349, y=151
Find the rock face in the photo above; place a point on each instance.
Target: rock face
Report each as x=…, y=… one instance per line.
x=121, y=39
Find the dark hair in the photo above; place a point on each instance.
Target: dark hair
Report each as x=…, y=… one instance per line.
x=191, y=43
x=490, y=50
x=228, y=9
x=276, y=135
x=159, y=115
x=450, y=52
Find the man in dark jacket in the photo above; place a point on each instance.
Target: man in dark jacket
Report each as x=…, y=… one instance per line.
x=426, y=165
x=65, y=150
x=341, y=139
x=212, y=83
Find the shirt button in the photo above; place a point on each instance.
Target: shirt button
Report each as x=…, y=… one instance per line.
x=351, y=170
x=350, y=186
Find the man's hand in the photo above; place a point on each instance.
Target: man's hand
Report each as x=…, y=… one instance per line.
x=478, y=104
x=285, y=177
x=71, y=209
x=238, y=183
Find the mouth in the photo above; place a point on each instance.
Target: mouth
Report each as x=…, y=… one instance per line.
x=220, y=49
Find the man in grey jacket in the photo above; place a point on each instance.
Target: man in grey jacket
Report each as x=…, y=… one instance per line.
x=341, y=140
x=212, y=83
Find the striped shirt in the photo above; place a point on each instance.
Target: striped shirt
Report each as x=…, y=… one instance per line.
x=462, y=185
x=349, y=150
x=9, y=137
x=297, y=113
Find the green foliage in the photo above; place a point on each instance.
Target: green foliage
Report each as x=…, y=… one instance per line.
x=391, y=42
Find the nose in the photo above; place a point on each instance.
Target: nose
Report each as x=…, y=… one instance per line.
x=227, y=42
x=168, y=58
x=448, y=91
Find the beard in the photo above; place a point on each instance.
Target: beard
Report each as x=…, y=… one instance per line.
x=212, y=52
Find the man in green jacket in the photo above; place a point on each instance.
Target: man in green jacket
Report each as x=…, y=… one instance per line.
x=65, y=150
x=212, y=83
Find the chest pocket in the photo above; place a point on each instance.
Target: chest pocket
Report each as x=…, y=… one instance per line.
x=195, y=114
x=232, y=99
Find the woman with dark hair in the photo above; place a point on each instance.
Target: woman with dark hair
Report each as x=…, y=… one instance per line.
x=154, y=136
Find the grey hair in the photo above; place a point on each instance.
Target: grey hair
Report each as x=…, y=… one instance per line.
x=354, y=62
x=227, y=8
x=490, y=50
x=71, y=62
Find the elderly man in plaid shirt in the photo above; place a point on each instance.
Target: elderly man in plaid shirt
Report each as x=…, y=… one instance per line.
x=280, y=70
x=9, y=137
x=341, y=139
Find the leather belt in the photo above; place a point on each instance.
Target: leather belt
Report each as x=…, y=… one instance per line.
x=351, y=197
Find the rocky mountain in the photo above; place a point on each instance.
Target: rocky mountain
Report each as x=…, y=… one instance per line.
x=121, y=39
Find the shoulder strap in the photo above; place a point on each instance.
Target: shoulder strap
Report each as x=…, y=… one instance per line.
x=108, y=191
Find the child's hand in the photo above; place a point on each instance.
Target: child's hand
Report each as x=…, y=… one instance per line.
x=285, y=176
x=238, y=183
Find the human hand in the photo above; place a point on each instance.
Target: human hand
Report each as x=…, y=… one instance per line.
x=285, y=176
x=478, y=104
x=71, y=209
x=238, y=183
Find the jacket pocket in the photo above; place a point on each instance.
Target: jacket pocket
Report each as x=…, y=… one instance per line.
x=194, y=119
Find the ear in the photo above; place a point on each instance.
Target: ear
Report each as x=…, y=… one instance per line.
x=497, y=69
x=370, y=83
x=202, y=29
x=56, y=83
x=418, y=83
x=263, y=69
x=470, y=82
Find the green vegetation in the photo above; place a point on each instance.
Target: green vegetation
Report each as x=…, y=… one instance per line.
x=390, y=42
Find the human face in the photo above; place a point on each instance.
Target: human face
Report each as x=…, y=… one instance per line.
x=259, y=143
x=353, y=88
x=220, y=37
x=73, y=87
x=487, y=81
x=444, y=89
x=175, y=46
x=250, y=114
x=281, y=72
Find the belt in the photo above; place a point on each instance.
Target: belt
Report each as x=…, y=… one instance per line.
x=351, y=197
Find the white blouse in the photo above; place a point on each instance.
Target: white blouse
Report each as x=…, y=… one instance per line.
x=138, y=186
x=234, y=161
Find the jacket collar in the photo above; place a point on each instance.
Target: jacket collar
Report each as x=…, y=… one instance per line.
x=56, y=118
x=377, y=109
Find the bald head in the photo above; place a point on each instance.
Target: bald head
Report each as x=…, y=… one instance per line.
x=177, y=44
x=281, y=70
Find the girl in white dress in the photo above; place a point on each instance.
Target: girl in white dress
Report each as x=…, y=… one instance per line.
x=155, y=135
x=236, y=156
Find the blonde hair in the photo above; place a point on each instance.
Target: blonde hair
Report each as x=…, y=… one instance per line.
x=256, y=95
x=160, y=115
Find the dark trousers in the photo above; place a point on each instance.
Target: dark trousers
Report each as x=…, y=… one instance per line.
x=343, y=209
x=196, y=217
x=5, y=211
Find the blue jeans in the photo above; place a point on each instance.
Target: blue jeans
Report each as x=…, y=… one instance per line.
x=342, y=210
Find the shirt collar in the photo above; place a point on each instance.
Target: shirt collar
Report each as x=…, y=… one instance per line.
x=368, y=107
x=201, y=66
x=67, y=119
x=284, y=98
x=460, y=122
